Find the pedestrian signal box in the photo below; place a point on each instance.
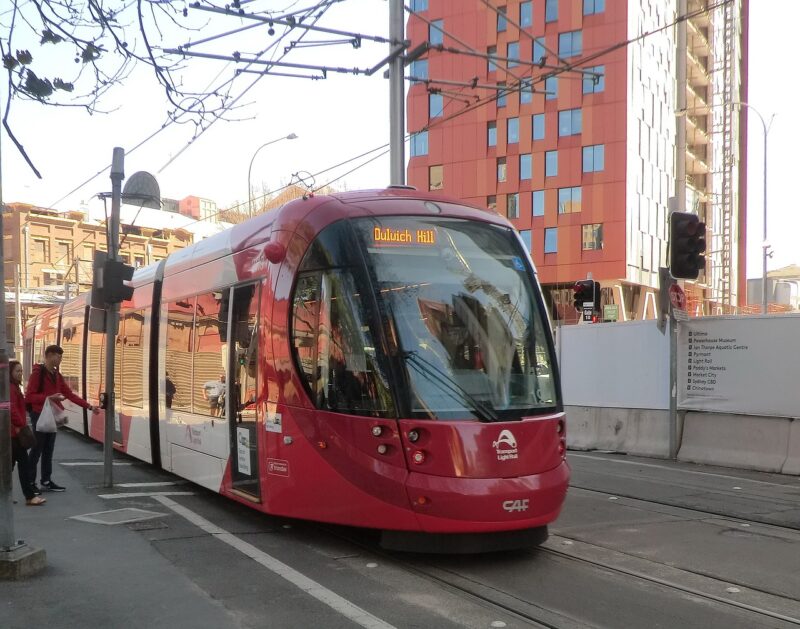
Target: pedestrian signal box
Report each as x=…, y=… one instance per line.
x=115, y=276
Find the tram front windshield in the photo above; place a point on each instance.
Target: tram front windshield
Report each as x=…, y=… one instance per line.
x=422, y=317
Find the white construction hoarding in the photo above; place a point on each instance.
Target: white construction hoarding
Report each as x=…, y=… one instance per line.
x=743, y=365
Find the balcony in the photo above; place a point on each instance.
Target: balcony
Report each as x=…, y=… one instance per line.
x=698, y=42
x=696, y=70
x=696, y=160
x=695, y=100
x=696, y=132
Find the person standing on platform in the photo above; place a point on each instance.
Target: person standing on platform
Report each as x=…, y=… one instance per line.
x=19, y=453
x=46, y=381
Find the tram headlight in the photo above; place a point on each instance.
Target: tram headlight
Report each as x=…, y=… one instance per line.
x=383, y=448
x=377, y=431
x=413, y=436
x=418, y=457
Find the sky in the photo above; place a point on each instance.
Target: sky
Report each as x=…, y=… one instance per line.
x=336, y=119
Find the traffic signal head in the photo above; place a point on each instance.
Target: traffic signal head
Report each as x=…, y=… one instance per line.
x=687, y=243
x=115, y=274
x=584, y=291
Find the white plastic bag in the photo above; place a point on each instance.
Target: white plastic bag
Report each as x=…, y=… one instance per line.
x=51, y=417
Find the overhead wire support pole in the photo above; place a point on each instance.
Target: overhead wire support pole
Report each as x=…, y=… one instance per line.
x=112, y=317
x=397, y=95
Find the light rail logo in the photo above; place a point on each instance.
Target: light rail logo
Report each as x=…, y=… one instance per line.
x=506, y=446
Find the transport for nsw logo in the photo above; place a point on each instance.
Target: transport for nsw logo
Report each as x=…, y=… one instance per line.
x=505, y=446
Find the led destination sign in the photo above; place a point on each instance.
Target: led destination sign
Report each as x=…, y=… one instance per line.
x=390, y=236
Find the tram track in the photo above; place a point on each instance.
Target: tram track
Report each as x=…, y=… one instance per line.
x=675, y=504
x=685, y=588
x=684, y=581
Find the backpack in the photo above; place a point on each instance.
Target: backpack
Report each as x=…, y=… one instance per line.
x=28, y=405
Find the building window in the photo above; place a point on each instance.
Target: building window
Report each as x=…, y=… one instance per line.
x=512, y=205
x=491, y=52
x=435, y=105
x=502, y=23
x=526, y=93
x=525, y=169
x=491, y=202
x=501, y=94
x=491, y=133
x=501, y=169
x=436, y=32
x=551, y=88
x=569, y=122
x=538, y=202
x=435, y=177
x=88, y=252
x=592, y=237
x=596, y=82
x=551, y=240
x=590, y=7
x=419, y=5
x=550, y=163
x=138, y=261
x=570, y=44
x=419, y=69
x=537, y=127
x=525, y=234
x=525, y=14
x=513, y=54
x=419, y=143
x=569, y=200
x=63, y=252
x=539, y=52
x=550, y=10
x=512, y=135
x=594, y=158
x=40, y=249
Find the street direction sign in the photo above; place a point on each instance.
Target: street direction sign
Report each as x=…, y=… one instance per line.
x=588, y=311
x=677, y=297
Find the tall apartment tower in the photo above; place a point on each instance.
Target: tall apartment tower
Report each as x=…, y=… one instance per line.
x=585, y=122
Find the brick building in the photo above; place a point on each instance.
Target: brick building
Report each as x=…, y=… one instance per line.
x=588, y=133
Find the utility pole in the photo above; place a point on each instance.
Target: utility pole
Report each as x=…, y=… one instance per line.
x=7, y=540
x=17, y=560
x=397, y=110
x=112, y=317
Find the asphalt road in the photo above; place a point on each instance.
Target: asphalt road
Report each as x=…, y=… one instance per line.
x=640, y=543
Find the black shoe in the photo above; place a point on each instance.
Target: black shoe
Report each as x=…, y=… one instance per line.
x=36, y=490
x=51, y=486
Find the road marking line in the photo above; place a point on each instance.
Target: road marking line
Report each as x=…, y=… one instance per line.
x=167, y=483
x=349, y=610
x=677, y=469
x=82, y=463
x=144, y=494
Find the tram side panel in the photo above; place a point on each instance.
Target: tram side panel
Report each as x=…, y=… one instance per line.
x=191, y=352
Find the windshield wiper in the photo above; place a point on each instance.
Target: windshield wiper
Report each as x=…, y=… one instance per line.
x=449, y=385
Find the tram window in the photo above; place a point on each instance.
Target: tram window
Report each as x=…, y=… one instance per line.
x=209, y=354
x=130, y=346
x=72, y=344
x=180, y=321
x=334, y=346
x=95, y=365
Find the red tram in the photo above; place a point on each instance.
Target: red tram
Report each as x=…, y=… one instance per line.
x=379, y=359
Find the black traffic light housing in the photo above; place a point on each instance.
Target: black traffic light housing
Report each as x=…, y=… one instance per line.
x=586, y=290
x=115, y=274
x=687, y=243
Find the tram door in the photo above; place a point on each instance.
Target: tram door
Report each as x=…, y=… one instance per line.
x=242, y=389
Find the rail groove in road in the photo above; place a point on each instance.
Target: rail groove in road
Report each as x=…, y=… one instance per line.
x=590, y=553
x=676, y=504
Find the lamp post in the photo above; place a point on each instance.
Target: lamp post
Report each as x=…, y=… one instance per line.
x=291, y=136
x=764, y=245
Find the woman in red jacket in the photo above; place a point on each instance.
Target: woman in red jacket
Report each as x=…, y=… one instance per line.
x=19, y=455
